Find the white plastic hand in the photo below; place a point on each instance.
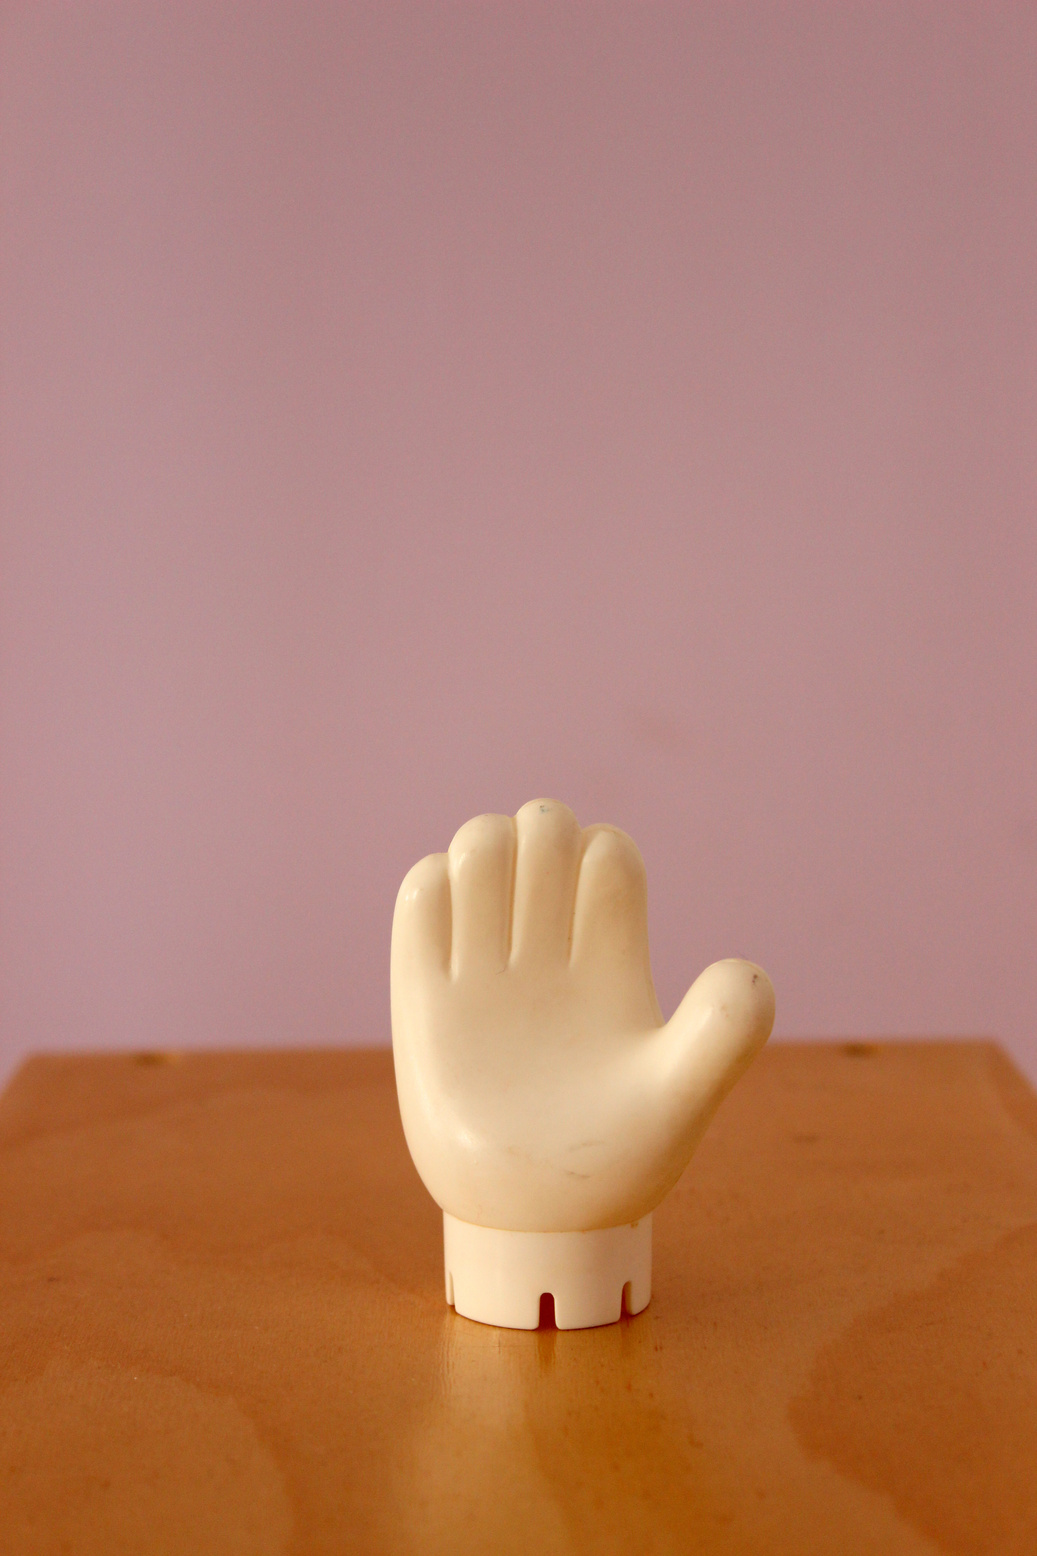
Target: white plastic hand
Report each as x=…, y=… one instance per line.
x=540, y=1088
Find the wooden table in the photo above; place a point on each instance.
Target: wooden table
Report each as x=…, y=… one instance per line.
x=222, y=1325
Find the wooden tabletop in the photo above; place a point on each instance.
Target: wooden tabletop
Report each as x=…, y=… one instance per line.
x=222, y=1325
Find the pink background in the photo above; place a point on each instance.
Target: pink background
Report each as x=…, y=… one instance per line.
x=411, y=410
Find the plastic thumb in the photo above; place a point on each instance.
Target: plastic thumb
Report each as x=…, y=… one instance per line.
x=713, y=1036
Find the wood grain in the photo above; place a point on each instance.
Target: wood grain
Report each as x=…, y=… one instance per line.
x=222, y=1326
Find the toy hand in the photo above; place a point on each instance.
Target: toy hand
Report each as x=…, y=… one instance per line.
x=540, y=1088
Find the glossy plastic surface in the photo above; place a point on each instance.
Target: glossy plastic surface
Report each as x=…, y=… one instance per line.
x=593, y=1277
x=540, y=1088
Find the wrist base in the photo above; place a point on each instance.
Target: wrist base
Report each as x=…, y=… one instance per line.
x=498, y=1277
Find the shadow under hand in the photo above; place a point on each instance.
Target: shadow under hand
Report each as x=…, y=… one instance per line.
x=554, y=1440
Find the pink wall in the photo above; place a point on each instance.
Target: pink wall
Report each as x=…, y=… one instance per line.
x=409, y=410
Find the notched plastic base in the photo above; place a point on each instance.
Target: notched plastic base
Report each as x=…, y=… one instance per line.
x=499, y=1277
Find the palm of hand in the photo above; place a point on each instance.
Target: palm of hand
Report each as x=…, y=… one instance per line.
x=539, y=1087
